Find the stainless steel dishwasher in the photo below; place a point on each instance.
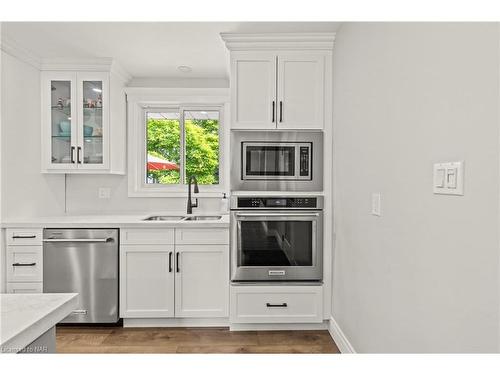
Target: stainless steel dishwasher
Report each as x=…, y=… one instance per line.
x=83, y=261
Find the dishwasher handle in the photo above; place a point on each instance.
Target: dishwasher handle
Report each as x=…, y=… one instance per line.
x=80, y=240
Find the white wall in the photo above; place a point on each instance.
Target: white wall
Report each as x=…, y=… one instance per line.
x=424, y=276
x=25, y=191
x=82, y=197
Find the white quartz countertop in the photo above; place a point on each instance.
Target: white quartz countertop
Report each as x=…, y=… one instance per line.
x=107, y=221
x=25, y=317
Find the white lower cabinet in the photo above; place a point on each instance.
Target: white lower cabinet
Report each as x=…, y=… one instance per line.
x=24, y=263
x=201, y=285
x=146, y=281
x=276, y=304
x=20, y=288
x=181, y=281
x=24, y=260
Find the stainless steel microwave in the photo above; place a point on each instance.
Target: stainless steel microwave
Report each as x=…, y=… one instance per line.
x=277, y=161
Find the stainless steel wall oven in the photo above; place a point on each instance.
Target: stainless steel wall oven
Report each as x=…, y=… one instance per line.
x=276, y=238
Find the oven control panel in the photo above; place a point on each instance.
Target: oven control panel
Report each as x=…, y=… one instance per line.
x=277, y=202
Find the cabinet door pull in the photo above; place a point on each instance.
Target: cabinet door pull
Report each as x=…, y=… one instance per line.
x=276, y=304
x=28, y=236
x=78, y=149
x=23, y=264
x=72, y=154
x=177, y=268
x=281, y=111
x=170, y=262
x=273, y=111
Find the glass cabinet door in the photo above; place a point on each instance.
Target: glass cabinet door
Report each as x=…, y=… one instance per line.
x=93, y=122
x=61, y=122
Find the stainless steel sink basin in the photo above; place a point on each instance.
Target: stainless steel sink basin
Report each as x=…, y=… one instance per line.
x=163, y=218
x=197, y=218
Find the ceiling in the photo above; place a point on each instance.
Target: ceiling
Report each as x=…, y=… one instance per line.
x=152, y=49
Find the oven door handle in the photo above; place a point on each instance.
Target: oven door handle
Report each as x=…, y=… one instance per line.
x=262, y=214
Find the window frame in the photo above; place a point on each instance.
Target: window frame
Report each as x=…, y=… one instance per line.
x=137, y=133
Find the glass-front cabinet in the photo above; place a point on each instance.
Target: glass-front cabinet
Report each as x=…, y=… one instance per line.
x=75, y=110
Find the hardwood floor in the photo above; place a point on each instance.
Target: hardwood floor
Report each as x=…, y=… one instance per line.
x=189, y=340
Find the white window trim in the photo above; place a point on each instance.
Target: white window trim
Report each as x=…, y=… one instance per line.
x=139, y=100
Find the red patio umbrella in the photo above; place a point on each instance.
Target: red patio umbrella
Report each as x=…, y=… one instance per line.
x=158, y=164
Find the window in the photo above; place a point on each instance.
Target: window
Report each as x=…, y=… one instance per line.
x=173, y=134
x=180, y=144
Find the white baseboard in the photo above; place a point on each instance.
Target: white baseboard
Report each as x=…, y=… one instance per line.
x=175, y=322
x=278, y=326
x=339, y=337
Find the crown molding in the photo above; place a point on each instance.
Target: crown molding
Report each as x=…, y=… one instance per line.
x=72, y=64
x=107, y=64
x=101, y=64
x=279, y=41
x=13, y=48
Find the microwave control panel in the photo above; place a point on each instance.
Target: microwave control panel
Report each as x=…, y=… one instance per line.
x=304, y=161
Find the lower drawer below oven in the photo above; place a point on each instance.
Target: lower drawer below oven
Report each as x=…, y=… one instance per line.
x=276, y=304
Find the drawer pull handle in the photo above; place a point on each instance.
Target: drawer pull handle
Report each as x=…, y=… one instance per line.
x=276, y=304
x=20, y=236
x=79, y=312
x=24, y=264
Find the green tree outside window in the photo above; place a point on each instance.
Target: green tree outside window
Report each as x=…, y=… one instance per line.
x=202, y=149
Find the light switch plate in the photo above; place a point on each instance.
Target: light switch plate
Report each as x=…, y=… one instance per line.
x=448, y=178
x=376, y=204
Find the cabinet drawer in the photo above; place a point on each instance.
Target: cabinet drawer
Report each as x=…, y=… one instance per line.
x=19, y=288
x=202, y=236
x=24, y=263
x=24, y=236
x=147, y=236
x=276, y=304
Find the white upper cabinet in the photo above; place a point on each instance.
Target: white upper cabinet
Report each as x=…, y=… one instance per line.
x=280, y=81
x=253, y=90
x=75, y=112
x=77, y=125
x=300, y=91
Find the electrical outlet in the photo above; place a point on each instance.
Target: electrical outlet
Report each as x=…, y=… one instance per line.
x=104, y=193
x=376, y=204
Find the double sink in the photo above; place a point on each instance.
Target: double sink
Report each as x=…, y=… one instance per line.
x=182, y=218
